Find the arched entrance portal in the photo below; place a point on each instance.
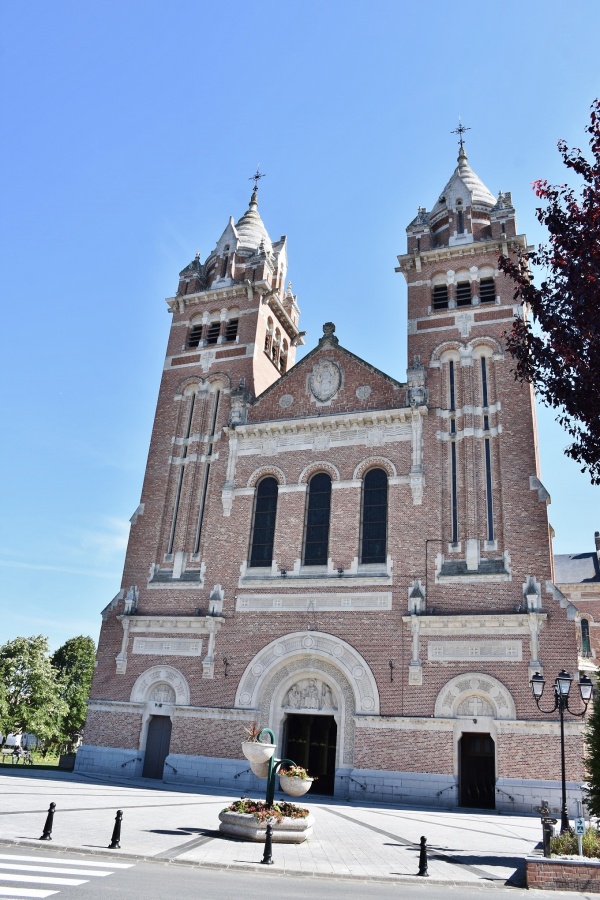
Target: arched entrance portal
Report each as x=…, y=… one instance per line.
x=308, y=687
x=311, y=741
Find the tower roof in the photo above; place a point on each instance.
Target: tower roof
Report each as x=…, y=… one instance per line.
x=466, y=186
x=250, y=228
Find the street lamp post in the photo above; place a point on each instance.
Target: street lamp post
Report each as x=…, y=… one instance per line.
x=562, y=687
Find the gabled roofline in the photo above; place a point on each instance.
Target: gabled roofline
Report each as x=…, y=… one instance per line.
x=326, y=339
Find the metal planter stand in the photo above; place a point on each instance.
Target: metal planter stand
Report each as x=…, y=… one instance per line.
x=274, y=767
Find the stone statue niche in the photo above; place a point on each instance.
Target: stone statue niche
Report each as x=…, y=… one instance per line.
x=310, y=693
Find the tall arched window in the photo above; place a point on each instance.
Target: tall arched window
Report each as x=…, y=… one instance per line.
x=373, y=545
x=263, y=531
x=316, y=540
x=586, y=647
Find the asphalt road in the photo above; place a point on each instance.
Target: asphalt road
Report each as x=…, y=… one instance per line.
x=31, y=873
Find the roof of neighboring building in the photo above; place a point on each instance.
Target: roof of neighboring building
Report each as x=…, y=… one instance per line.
x=576, y=568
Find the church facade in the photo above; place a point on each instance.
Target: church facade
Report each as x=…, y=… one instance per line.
x=363, y=565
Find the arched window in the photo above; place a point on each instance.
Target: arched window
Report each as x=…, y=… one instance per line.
x=316, y=540
x=269, y=335
x=195, y=335
x=586, y=647
x=263, y=531
x=374, y=517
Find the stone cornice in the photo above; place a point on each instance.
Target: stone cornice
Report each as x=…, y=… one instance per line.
x=115, y=706
x=484, y=623
x=178, y=303
x=333, y=422
x=175, y=625
x=437, y=254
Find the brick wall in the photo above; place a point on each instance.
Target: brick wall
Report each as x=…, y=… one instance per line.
x=563, y=875
x=109, y=729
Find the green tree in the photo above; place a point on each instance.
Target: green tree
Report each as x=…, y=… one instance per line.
x=31, y=692
x=592, y=759
x=74, y=663
x=562, y=360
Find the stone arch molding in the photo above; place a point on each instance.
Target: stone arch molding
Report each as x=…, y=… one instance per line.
x=315, y=467
x=275, y=692
x=310, y=649
x=374, y=462
x=164, y=680
x=475, y=695
x=275, y=471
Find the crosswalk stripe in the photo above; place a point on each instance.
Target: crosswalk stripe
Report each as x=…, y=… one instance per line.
x=24, y=893
x=56, y=870
x=69, y=862
x=32, y=879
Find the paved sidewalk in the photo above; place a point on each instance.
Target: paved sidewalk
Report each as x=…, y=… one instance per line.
x=350, y=840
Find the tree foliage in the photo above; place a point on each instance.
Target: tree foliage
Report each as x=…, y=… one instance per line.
x=592, y=759
x=74, y=665
x=32, y=701
x=563, y=362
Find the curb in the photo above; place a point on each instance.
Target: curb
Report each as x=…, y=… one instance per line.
x=492, y=885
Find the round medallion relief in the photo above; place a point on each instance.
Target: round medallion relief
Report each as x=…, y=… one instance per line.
x=286, y=401
x=258, y=669
x=358, y=671
x=308, y=642
x=278, y=649
x=324, y=380
x=245, y=699
x=368, y=703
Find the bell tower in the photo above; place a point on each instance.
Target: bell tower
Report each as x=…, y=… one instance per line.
x=481, y=440
x=234, y=332
x=235, y=307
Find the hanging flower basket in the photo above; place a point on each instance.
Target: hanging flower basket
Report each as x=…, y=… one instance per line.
x=257, y=752
x=295, y=781
x=261, y=769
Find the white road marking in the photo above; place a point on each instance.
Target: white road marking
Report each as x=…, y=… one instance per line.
x=31, y=879
x=59, y=860
x=56, y=870
x=25, y=893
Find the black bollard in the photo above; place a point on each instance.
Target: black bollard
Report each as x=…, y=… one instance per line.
x=115, y=843
x=423, y=859
x=47, y=835
x=267, y=859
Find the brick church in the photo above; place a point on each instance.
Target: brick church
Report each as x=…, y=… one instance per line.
x=362, y=564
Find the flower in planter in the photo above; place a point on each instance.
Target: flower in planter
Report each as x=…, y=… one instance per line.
x=264, y=813
x=297, y=772
x=252, y=732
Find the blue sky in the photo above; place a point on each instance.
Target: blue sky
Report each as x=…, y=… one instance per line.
x=130, y=130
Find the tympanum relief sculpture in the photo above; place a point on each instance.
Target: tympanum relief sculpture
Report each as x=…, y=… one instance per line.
x=309, y=694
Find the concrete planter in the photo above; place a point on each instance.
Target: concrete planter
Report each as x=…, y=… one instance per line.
x=256, y=752
x=261, y=769
x=247, y=827
x=294, y=786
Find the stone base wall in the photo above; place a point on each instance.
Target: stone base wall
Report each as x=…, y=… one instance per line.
x=525, y=795
x=375, y=785
x=212, y=771
x=109, y=761
x=563, y=874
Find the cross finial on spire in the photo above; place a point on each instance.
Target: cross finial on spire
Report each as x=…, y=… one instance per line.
x=256, y=177
x=460, y=131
